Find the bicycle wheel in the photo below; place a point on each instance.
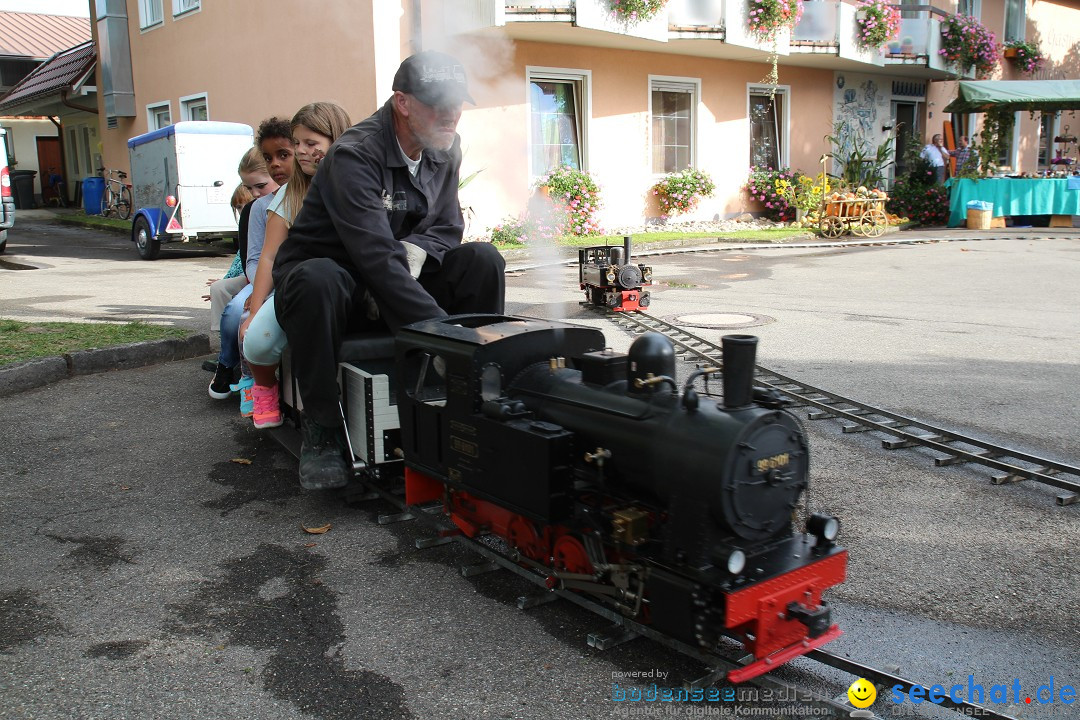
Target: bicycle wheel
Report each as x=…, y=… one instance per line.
x=106, y=201
x=123, y=203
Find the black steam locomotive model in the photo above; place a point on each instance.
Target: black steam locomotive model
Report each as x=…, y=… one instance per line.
x=611, y=279
x=608, y=478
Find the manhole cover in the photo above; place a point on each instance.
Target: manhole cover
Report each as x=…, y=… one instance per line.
x=722, y=321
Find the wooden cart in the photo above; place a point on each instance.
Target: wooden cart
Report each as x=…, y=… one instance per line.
x=862, y=216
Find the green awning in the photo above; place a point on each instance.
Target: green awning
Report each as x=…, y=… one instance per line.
x=1045, y=95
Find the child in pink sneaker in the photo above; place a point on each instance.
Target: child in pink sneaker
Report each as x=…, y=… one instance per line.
x=315, y=127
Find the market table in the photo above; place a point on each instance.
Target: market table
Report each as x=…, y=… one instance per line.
x=1014, y=196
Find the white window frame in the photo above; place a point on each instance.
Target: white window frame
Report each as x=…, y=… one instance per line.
x=784, y=159
x=179, y=8
x=188, y=100
x=677, y=84
x=584, y=77
x=151, y=111
x=1051, y=146
x=1005, y=22
x=144, y=9
x=976, y=9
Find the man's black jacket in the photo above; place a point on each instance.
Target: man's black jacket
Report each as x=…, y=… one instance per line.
x=363, y=201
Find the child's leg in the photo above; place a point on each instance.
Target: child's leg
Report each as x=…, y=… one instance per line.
x=263, y=345
x=221, y=292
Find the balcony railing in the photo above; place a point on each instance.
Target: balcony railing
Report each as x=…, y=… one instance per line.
x=721, y=19
x=920, y=38
x=830, y=26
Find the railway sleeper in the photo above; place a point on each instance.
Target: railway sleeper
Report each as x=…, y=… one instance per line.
x=527, y=602
x=966, y=457
x=481, y=568
x=907, y=443
x=877, y=425
x=612, y=637
x=1010, y=478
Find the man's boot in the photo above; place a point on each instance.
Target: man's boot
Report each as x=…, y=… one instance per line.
x=322, y=456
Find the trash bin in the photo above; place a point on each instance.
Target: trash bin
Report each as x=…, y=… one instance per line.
x=92, y=190
x=23, y=186
x=979, y=214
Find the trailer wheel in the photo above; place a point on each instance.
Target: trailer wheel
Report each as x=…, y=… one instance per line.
x=149, y=247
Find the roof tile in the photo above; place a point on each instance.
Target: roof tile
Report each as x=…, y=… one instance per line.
x=32, y=35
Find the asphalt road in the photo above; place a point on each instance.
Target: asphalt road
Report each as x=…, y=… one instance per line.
x=146, y=574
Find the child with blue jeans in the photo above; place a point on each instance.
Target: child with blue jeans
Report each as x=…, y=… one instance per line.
x=264, y=168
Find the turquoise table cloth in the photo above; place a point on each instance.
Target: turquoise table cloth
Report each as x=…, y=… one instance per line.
x=1019, y=196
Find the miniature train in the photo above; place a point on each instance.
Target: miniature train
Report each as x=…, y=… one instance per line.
x=659, y=502
x=611, y=279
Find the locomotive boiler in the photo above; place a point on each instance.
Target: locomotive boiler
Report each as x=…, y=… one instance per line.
x=662, y=502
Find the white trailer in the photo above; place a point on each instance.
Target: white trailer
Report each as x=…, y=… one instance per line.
x=183, y=177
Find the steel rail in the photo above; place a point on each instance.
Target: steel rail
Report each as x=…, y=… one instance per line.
x=890, y=680
x=906, y=432
x=626, y=629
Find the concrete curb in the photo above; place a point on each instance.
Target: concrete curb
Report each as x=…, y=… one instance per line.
x=69, y=220
x=36, y=373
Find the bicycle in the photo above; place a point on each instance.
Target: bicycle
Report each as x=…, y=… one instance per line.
x=117, y=196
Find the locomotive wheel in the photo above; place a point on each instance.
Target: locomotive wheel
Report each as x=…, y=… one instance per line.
x=569, y=555
x=832, y=226
x=874, y=222
x=523, y=536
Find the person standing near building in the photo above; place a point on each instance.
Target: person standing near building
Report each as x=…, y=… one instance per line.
x=936, y=154
x=381, y=221
x=962, y=155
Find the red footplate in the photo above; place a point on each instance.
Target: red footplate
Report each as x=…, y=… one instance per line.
x=759, y=614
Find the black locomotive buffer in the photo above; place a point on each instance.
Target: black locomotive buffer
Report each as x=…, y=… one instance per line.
x=611, y=279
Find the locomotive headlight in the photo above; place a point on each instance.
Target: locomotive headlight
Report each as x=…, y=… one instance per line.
x=610, y=275
x=824, y=527
x=736, y=561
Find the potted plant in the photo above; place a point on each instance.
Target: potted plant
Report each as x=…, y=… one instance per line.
x=965, y=42
x=681, y=192
x=575, y=198
x=879, y=22
x=761, y=187
x=766, y=18
x=1027, y=56
x=631, y=12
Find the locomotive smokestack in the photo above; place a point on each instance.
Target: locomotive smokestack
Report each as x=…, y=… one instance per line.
x=626, y=248
x=740, y=355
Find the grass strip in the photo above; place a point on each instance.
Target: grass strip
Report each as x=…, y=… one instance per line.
x=655, y=238
x=22, y=341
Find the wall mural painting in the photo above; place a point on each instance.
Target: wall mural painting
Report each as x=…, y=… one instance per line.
x=861, y=109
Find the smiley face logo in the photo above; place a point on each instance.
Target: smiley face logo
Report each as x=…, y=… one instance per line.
x=862, y=693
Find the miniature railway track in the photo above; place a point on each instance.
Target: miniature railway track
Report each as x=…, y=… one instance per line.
x=496, y=555
x=903, y=432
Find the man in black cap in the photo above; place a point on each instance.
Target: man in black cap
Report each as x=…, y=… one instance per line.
x=378, y=244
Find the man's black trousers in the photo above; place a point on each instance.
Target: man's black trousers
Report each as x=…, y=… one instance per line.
x=319, y=303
